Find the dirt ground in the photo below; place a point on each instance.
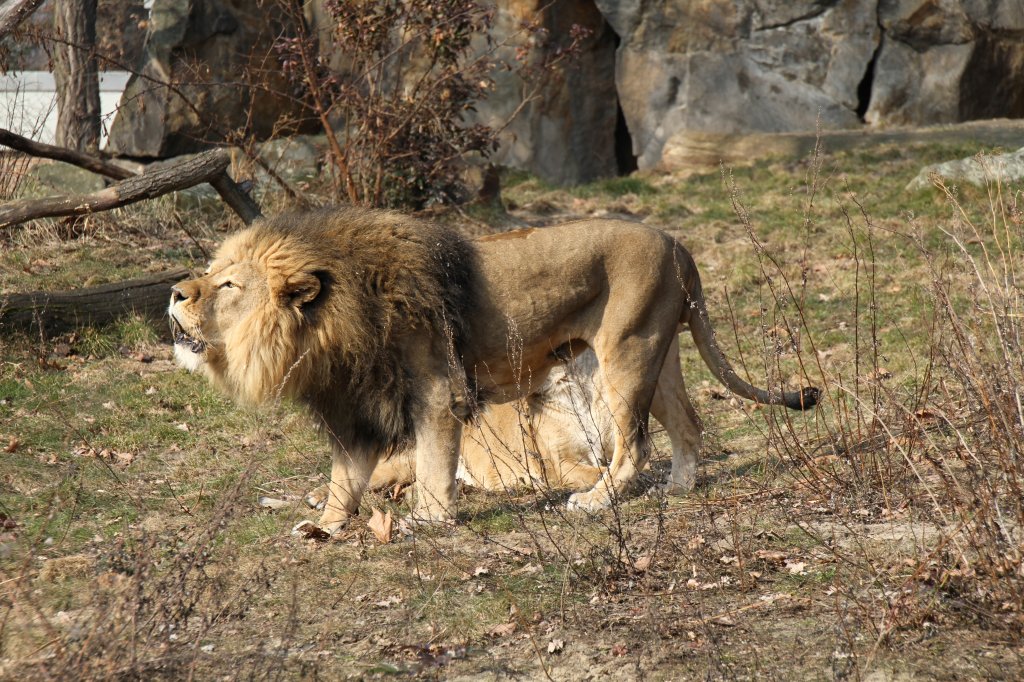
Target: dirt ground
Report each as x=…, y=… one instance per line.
x=876, y=538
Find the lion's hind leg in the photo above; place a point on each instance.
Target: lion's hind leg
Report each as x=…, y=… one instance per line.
x=627, y=393
x=672, y=408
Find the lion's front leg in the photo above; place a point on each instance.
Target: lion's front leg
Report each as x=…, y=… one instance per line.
x=350, y=472
x=436, y=455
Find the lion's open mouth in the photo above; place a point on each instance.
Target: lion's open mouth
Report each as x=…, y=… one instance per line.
x=181, y=338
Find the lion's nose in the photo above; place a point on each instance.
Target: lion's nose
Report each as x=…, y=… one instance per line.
x=180, y=292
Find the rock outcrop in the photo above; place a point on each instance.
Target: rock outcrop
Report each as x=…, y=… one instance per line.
x=717, y=66
x=213, y=51
x=944, y=61
x=654, y=79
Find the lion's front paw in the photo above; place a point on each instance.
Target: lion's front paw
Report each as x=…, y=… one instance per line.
x=419, y=518
x=674, y=487
x=590, y=501
x=317, y=497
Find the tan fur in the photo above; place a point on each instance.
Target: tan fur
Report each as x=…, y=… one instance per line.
x=385, y=326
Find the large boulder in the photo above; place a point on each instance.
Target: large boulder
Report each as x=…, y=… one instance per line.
x=731, y=66
x=943, y=61
x=566, y=132
x=978, y=170
x=219, y=56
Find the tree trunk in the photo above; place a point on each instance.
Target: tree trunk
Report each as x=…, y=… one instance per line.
x=76, y=76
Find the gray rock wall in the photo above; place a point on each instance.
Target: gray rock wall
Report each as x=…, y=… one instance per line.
x=944, y=61
x=212, y=51
x=656, y=78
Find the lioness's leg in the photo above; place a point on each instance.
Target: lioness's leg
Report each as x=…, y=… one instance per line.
x=394, y=470
x=397, y=469
x=317, y=497
x=671, y=406
x=350, y=472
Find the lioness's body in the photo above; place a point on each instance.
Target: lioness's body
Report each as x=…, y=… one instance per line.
x=375, y=321
x=560, y=436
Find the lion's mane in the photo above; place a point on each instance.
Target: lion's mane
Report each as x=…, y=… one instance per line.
x=382, y=277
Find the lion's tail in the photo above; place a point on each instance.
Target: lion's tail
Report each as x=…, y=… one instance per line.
x=704, y=337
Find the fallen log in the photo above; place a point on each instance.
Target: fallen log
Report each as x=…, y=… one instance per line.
x=60, y=311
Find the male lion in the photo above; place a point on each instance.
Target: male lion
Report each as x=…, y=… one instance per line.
x=388, y=328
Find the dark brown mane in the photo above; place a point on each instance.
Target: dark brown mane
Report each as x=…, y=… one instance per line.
x=383, y=276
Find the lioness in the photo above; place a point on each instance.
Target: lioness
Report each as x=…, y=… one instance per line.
x=388, y=329
x=559, y=436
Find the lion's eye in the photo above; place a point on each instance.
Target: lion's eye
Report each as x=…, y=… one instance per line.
x=227, y=285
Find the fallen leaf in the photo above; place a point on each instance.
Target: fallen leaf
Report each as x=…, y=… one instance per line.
x=502, y=630
x=393, y=600
x=381, y=524
x=770, y=555
x=643, y=562
x=481, y=571
x=619, y=649
x=182, y=427
x=12, y=445
x=310, y=531
x=724, y=621
x=796, y=567
x=555, y=646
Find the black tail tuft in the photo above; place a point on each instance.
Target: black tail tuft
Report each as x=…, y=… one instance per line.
x=804, y=400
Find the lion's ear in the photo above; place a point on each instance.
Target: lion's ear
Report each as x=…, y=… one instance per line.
x=303, y=288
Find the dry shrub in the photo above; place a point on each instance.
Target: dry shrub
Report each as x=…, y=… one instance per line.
x=393, y=85
x=940, y=450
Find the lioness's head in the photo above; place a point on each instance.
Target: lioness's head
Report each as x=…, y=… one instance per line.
x=248, y=322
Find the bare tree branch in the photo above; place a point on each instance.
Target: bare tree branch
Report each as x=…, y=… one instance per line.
x=233, y=195
x=205, y=167
x=14, y=12
x=237, y=198
x=49, y=151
